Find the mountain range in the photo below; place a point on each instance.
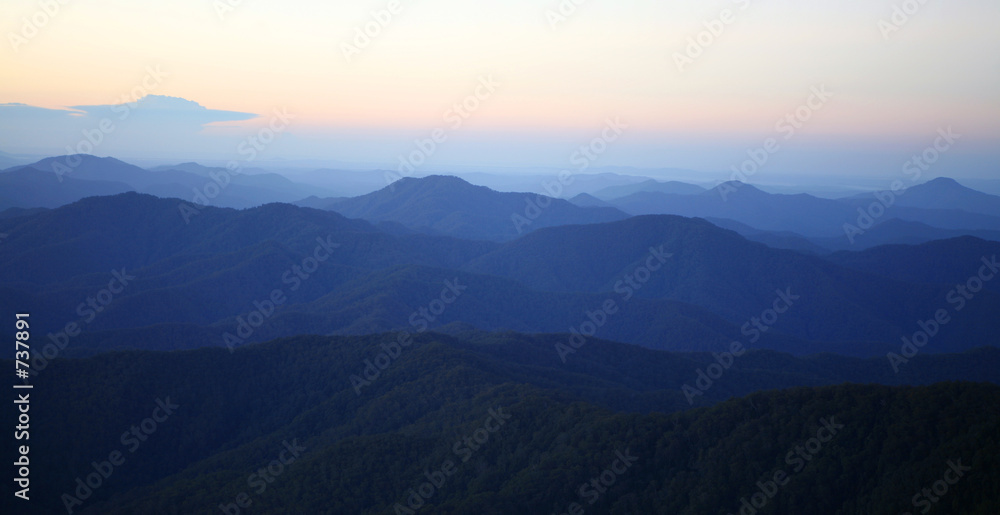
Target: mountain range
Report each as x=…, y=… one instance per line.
x=450, y=206
x=674, y=283
x=808, y=215
x=436, y=346
x=938, y=209
x=56, y=181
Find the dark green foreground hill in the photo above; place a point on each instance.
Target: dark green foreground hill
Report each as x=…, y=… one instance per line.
x=363, y=449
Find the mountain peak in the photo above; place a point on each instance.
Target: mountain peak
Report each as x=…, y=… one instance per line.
x=945, y=193
x=946, y=186
x=432, y=183
x=435, y=179
x=75, y=161
x=449, y=205
x=944, y=182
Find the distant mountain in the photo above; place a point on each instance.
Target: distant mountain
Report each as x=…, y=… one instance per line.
x=651, y=186
x=951, y=262
x=115, y=232
x=778, y=240
x=735, y=278
x=700, y=289
x=204, y=171
x=92, y=168
x=450, y=206
x=189, y=167
x=946, y=193
x=513, y=181
x=199, y=278
x=588, y=200
x=324, y=203
x=242, y=190
x=894, y=231
x=801, y=214
x=29, y=188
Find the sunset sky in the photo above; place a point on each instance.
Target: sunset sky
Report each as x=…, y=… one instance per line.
x=557, y=80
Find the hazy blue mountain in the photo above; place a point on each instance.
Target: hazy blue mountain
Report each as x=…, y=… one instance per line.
x=28, y=188
x=93, y=168
x=950, y=262
x=197, y=279
x=672, y=187
x=545, y=181
x=450, y=206
x=723, y=272
x=31, y=185
x=204, y=277
x=204, y=171
x=588, y=200
x=778, y=240
x=946, y=193
x=241, y=190
x=314, y=202
x=49, y=245
x=190, y=167
x=802, y=214
x=894, y=231
x=953, y=219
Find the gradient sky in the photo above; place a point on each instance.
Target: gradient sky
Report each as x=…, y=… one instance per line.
x=556, y=84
